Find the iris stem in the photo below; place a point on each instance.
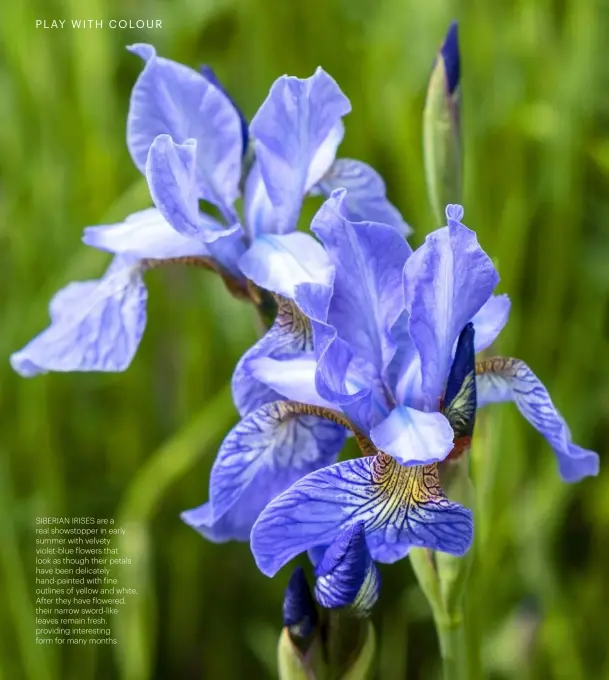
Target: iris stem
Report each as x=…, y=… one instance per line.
x=447, y=610
x=451, y=635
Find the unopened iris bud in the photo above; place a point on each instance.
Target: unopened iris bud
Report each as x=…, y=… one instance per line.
x=299, y=609
x=346, y=574
x=442, y=128
x=297, y=642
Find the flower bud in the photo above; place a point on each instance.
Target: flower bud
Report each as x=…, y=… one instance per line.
x=299, y=609
x=346, y=575
x=442, y=128
x=297, y=641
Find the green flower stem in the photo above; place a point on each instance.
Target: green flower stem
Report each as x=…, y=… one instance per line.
x=447, y=615
x=451, y=634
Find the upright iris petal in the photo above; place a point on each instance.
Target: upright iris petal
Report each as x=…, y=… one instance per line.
x=490, y=319
x=297, y=130
x=369, y=259
x=210, y=74
x=506, y=379
x=171, y=99
x=446, y=282
x=346, y=574
x=366, y=195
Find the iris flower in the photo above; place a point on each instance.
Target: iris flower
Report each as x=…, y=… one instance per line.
x=385, y=332
x=186, y=136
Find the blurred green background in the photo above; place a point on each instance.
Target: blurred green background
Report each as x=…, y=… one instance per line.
x=138, y=446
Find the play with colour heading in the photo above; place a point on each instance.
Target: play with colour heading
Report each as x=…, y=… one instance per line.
x=99, y=23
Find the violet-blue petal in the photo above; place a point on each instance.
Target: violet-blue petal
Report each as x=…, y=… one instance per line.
x=369, y=260
x=297, y=130
x=95, y=326
x=400, y=507
x=490, y=320
x=280, y=263
x=403, y=375
x=414, y=437
x=211, y=76
x=366, y=198
x=266, y=452
x=292, y=378
x=446, y=282
x=235, y=525
x=171, y=175
x=506, y=379
x=346, y=574
x=260, y=215
x=290, y=336
x=145, y=235
x=171, y=99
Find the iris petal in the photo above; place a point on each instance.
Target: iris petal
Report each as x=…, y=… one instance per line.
x=490, y=320
x=292, y=378
x=171, y=99
x=145, y=235
x=259, y=211
x=171, y=174
x=369, y=259
x=289, y=335
x=210, y=74
x=413, y=437
x=505, y=379
x=366, y=194
x=266, y=452
x=280, y=263
x=400, y=507
x=235, y=525
x=295, y=132
x=446, y=282
x=95, y=326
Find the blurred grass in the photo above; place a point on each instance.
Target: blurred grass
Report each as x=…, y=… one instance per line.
x=138, y=447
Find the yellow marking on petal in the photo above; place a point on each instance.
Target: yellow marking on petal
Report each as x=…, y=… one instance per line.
x=501, y=365
x=292, y=320
x=398, y=488
x=297, y=408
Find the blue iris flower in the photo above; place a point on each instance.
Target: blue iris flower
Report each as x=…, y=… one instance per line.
x=371, y=351
x=186, y=136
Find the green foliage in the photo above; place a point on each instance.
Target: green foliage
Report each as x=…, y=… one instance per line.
x=138, y=446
